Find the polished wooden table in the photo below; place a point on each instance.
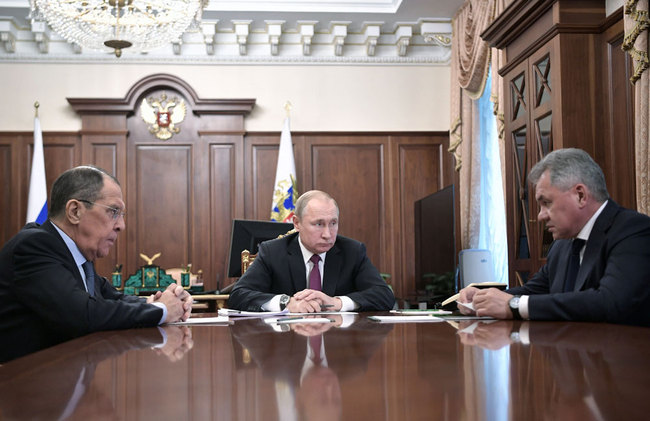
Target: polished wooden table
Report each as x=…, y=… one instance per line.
x=369, y=371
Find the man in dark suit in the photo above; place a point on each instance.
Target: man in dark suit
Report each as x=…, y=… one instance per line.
x=610, y=245
x=284, y=275
x=49, y=290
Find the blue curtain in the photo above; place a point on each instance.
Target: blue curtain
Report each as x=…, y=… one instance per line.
x=492, y=232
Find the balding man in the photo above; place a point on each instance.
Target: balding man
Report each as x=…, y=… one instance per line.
x=314, y=269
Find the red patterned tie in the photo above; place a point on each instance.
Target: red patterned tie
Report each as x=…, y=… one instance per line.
x=314, y=275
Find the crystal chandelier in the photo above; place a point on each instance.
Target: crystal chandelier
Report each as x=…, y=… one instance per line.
x=141, y=24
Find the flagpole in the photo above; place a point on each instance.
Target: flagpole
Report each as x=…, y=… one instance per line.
x=37, y=196
x=287, y=107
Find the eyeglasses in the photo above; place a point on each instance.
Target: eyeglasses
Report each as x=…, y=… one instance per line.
x=115, y=213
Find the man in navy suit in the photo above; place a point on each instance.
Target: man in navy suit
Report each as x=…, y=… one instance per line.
x=611, y=246
x=284, y=275
x=49, y=290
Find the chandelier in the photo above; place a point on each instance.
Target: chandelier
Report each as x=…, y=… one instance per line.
x=141, y=24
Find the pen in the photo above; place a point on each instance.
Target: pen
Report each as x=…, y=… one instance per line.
x=286, y=319
x=327, y=306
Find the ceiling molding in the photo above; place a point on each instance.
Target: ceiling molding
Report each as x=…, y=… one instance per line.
x=302, y=36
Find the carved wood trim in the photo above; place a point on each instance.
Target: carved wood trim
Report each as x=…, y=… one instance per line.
x=127, y=104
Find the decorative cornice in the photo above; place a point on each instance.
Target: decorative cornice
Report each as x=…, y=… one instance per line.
x=425, y=41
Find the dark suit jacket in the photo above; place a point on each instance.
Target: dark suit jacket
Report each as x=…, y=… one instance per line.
x=613, y=284
x=43, y=300
x=279, y=269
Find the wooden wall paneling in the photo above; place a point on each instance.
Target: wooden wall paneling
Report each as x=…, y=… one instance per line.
x=13, y=185
x=422, y=170
x=261, y=160
x=224, y=189
x=615, y=151
x=172, y=187
x=162, y=192
x=577, y=91
x=351, y=169
x=106, y=149
x=60, y=152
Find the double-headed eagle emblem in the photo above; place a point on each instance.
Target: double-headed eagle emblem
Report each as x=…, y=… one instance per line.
x=163, y=115
x=148, y=259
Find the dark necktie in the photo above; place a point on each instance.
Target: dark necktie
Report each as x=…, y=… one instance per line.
x=574, y=265
x=90, y=277
x=314, y=275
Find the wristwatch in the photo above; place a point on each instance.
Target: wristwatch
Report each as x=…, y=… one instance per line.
x=514, y=307
x=284, y=300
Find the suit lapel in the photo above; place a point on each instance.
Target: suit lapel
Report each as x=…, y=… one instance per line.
x=333, y=264
x=296, y=265
x=596, y=242
x=563, y=251
x=69, y=262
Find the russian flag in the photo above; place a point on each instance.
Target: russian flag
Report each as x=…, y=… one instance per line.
x=285, y=192
x=37, y=201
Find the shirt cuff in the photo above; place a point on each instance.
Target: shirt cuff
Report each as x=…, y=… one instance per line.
x=273, y=304
x=164, y=309
x=523, y=307
x=346, y=303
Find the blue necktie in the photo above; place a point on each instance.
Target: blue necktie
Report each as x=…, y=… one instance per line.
x=90, y=277
x=574, y=265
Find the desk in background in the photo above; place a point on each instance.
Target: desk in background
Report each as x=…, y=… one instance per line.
x=501, y=370
x=208, y=302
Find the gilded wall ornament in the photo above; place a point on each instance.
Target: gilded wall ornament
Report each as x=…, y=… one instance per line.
x=163, y=115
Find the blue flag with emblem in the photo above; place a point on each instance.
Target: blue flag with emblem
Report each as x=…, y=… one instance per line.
x=285, y=191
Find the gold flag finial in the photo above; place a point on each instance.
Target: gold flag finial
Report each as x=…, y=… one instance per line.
x=287, y=107
x=36, y=105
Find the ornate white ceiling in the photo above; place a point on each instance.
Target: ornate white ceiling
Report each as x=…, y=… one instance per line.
x=266, y=31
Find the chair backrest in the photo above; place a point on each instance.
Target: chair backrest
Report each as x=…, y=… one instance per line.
x=476, y=266
x=247, y=258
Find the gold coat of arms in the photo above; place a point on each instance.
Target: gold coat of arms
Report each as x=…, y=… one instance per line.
x=163, y=115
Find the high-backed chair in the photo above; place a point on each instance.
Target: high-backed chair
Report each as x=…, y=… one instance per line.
x=247, y=258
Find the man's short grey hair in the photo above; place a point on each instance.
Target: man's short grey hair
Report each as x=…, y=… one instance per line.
x=568, y=167
x=82, y=183
x=302, y=201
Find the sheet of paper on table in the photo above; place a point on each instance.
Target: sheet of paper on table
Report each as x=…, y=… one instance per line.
x=405, y=319
x=222, y=320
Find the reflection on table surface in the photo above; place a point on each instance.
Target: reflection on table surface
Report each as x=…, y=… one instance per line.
x=349, y=369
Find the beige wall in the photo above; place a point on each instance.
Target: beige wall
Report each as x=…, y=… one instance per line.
x=324, y=98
